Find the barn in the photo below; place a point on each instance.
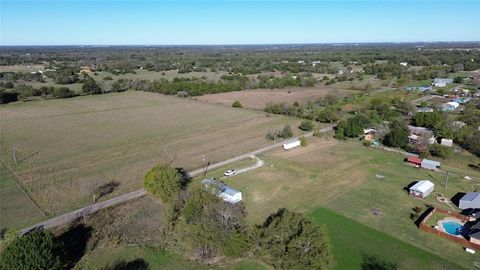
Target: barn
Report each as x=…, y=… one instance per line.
x=430, y=164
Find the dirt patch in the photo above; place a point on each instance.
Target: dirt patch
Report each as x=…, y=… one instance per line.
x=377, y=212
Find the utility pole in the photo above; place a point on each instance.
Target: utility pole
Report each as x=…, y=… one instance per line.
x=14, y=153
x=446, y=179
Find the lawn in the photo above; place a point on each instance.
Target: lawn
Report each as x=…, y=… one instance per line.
x=352, y=240
x=158, y=259
x=66, y=148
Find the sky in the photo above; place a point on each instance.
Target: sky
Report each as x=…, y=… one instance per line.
x=108, y=22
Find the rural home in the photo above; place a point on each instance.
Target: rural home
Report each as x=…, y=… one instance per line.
x=416, y=133
x=470, y=200
x=425, y=110
x=421, y=189
x=430, y=164
x=369, y=134
x=414, y=161
x=450, y=106
x=224, y=192
x=443, y=80
x=403, y=64
x=291, y=144
x=447, y=142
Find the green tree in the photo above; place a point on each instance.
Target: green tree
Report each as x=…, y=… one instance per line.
x=35, y=250
x=237, y=244
x=441, y=151
x=91, y=87
x=288, y=240
x=303, y=141
x=398, y=135
x=306, y=125
x=327, y=115
x=286, y=132
x=163, y=182
x=237, y=104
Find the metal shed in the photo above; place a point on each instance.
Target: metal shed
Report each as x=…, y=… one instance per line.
x=422, y=189
x=430, y=164
x=470, y=200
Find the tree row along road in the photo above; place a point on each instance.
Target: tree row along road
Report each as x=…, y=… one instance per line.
x=87, y=210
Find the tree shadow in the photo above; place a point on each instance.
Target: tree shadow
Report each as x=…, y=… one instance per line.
x=185, y=178
x=456, y=198
x=106, y=189
x=370, y=262
x=74, y=244
x=474, y=167
x=137, y=264
x=424, y=215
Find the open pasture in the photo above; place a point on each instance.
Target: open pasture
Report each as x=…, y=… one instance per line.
x=67, y=148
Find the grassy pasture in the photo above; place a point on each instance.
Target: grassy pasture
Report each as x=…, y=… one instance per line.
x=352, y=240
x=69, y=147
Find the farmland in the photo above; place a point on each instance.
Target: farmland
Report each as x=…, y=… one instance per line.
x=67, y=148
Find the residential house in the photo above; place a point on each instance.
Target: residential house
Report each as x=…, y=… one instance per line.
x=450, y=106
x=474, y=233
x=470, y=200
x=416, y=134
x=422, y=189
x=223, y=191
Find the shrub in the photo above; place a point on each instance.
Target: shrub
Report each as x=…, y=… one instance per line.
x=107, y=78
x=286, y=132
x=441, y=151
x=303, y=141
x=163, y=182
x=306, y=125
x=237, y=104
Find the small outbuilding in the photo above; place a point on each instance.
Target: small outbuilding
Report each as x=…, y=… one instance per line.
x=421, y=189
x=430, y=164
x=447, y=142
x=291, y=144
x=470, y=200
x=414, y=161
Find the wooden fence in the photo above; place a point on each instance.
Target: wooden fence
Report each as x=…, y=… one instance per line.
x=460, y=240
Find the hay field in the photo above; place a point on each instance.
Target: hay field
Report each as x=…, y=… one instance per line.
x=258, y=98
x=67, y=148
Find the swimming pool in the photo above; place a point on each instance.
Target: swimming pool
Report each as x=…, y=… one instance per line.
x=452, y=227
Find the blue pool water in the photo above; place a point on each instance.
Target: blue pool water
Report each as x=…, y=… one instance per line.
x=452, y=227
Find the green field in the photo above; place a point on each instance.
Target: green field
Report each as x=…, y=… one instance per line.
x=352, y=240
x=159, y=259
x=67, y=148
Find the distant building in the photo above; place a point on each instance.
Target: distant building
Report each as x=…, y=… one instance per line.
x=447, y=142
x=430, y=164
x=470, y=200
x=416, y=133
x=403, y=64
x=422, y=189
x=442, y=80
x=223, y=191
x=414, y=161
x=474, y=233
x=425, y=109
x=461, y=100
x=450, y=106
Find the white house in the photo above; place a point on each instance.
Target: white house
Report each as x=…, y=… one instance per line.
x=470, y=200
x=422, y=189
x=224, y=192
x=403, y=64
x=291, y=144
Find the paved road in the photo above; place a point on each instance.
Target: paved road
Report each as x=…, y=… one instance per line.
x=71, y=216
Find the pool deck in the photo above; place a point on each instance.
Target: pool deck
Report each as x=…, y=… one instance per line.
x=439, y=225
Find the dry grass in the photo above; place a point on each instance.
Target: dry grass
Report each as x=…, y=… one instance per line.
x=69, y=147
x=258, y=98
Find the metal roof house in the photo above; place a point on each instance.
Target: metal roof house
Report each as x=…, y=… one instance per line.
x=442, y=80
x=224, y=192
x=470, y=200
x=430, y=164
x=474, y=233
x=422, y=189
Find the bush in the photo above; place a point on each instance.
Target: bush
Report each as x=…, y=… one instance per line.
x=303, y=141
x=286, y=132
x=107, y=78
x=35, y=250
x=398, y=136
x=306, y=125
x=237, y=104
x=91, y=87
x=63, y=92
x=442, y=151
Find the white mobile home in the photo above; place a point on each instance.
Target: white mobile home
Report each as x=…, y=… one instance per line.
x=291, y=144
x=223, y=191
x=422, y=189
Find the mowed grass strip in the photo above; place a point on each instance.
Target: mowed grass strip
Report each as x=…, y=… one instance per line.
x=69, y=147
x=352, y=240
